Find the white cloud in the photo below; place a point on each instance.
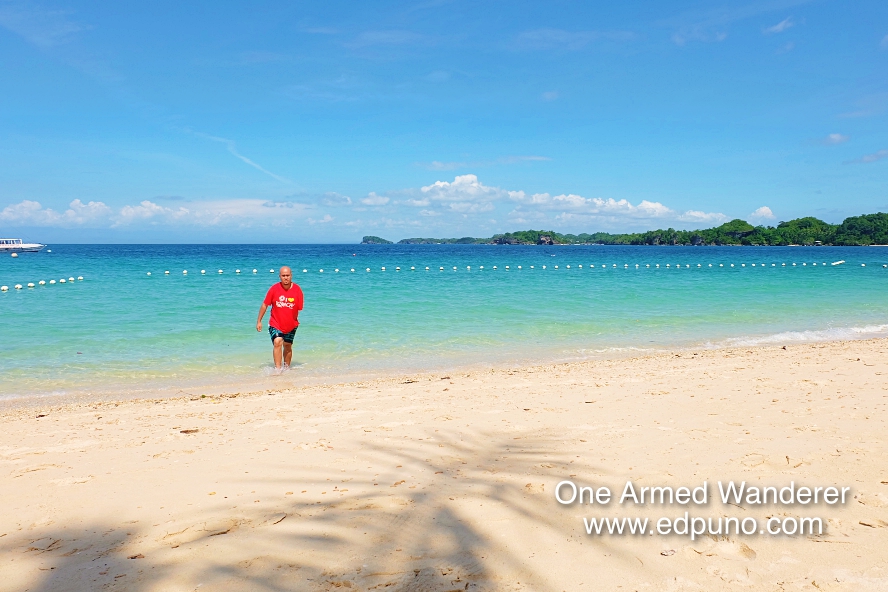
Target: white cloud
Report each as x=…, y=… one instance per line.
x=570, y=40
x=833, y=139
x=232, y=148
x=96, y=214
x=866, y=159
x=335, y=199
x=550, y=95
x=702, y=217
x=783, y=25
x=31, y=213
x=44, y=28
x=762, y=213
x=375, y=200
x=463, y=188
x=386, y=38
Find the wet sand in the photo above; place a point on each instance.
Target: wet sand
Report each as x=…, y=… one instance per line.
x=445, y=482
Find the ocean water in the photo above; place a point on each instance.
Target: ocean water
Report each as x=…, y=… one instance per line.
x=122, y=332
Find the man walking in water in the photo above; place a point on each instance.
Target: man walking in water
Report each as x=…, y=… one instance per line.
x=285, y=299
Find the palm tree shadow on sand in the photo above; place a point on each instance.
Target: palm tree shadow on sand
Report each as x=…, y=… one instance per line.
x=456, y=513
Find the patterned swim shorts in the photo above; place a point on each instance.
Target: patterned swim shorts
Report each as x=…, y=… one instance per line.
x=275, y=333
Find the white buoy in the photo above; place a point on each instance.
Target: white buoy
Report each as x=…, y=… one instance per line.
x=149, y=273
x=814, y=264
x=698, y=265
x=4, y=288
x=304, y=271
x=353, y=270
x=668, y=265
x=507, y=267
x=41, y=283
x=270, y=271
x=79, y=278
x=70, y=279
x=368, y=269
x=62, y=281
x=556, y=267
x=636, y=266
x=321, y=271
x=15, y=255
x=615, y=264
x=468, y=267
x=184, y=272
x=454, y=268
x=741, y=265
x=167, y=272
x=648, y=265
x=49, y=250
x=752, y=265
x=544, y=267
x=482, y=267
x=399, y=269
x=336, y=270
x=625, y=266
x=30, y=284
x=19, y=286
x=531, y=266
x=688, y=266
x=773, y=265
x=793, y=264
x=804, y=265
x=255, y=271
x=721, y=264
x=220, y=271
x=783, y=265
x=710, y=265
x=519, y=267
x=732, y=265
x=494, y=267
x=237, y=271
x=441, y=268
x=658, y=266
x=863, y=264
x=427, y=267
x=203, y=272
x=51, y=282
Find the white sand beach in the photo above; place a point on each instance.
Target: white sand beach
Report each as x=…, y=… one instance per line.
x=445, y=482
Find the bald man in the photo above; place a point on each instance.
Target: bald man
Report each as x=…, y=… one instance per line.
x=285, y=299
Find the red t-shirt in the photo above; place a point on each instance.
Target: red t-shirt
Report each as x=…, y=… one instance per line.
x=285, y=306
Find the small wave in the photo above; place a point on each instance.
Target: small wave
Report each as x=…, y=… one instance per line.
x=832, y=334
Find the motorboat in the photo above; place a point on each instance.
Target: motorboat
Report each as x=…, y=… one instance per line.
x=15, y=245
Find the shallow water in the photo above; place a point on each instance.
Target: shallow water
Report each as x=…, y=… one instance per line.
x=122, y=330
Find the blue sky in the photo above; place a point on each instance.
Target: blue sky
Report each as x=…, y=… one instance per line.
x=323, y=122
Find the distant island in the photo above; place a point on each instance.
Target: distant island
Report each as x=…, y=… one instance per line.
x=869, y=229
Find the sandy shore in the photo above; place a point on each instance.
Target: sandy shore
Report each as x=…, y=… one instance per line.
x=433, y=482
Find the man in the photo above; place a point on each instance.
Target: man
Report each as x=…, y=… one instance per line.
x=285, y=299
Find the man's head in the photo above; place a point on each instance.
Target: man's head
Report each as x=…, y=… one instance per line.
x=286, y=277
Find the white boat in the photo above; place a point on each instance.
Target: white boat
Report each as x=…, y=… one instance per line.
x=15, y=245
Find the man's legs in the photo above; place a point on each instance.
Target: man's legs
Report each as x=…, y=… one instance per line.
x=288, y=353
x=278, y=354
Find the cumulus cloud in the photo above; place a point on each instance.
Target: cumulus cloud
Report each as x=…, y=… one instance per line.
x=32, y=213
x=783, y=25
x=762, y=213
x=375, y=200
x=96, y=214
x=335, y=199
x=463, y=188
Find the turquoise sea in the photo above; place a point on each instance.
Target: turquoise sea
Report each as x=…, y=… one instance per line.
x=122, y=332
